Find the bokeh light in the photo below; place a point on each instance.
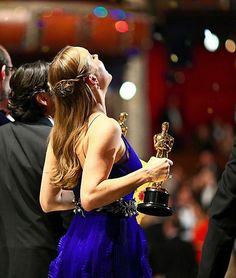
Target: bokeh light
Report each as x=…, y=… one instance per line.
x=174, y=58
x=122, y=26
x=230, y=46
x=118, y=14
x=211, y=41
x=100, y=11
x=127, y=90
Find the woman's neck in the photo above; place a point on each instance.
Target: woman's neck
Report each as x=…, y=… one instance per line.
x=99, y=108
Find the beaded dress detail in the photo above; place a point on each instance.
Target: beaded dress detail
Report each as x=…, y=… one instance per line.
x=106, y=242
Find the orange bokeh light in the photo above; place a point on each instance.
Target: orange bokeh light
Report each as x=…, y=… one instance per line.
x=122, y=26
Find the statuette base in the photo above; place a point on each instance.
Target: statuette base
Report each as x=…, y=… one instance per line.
x=155, y=202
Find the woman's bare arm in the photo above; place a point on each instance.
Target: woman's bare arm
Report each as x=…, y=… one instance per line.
x=53, y=198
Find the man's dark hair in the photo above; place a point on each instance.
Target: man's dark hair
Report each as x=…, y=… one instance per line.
x=26, y=82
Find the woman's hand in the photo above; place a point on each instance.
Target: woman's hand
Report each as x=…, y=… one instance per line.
x=158, y=169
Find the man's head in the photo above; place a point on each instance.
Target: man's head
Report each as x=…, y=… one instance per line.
x=5, y=74
x=30, y=97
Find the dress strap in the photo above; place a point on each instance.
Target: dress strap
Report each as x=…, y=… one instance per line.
x=88, y=128
x=94, y=120
x=126, y=155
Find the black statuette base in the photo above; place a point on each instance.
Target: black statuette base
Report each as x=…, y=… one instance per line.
x=155, y=202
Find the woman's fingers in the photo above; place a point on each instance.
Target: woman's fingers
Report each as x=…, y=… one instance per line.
x=159, y=168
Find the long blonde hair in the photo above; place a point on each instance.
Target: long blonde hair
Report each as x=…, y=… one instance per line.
x=74, y=102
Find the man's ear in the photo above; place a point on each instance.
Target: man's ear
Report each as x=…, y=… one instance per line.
x=42, y=98
x=3, y=73
x=46, y=100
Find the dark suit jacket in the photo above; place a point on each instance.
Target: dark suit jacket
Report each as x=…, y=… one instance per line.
x=222, y=226
x=28, y=237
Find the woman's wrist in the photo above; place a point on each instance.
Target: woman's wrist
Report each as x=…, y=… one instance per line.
x=145, y=175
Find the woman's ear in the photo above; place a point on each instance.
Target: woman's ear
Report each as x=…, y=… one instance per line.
x=91, y=80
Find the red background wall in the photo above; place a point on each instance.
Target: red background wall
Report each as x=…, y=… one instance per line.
x=207, y=89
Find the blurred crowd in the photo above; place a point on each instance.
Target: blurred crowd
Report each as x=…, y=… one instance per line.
x=214, y=135
x=175, y=243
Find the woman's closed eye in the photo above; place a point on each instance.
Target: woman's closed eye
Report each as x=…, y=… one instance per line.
x=95, y=56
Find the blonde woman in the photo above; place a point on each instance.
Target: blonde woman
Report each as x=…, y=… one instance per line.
x=91, y=168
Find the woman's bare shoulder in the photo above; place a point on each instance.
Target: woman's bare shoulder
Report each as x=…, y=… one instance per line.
x=105, y=126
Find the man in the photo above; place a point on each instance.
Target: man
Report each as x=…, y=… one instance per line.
x=28, y=237
x=221, y=234
x=6, y=69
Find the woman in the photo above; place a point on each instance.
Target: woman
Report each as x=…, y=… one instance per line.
x=87, y=153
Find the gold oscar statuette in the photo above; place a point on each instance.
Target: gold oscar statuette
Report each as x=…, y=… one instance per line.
x=122, y=118
x=156, y=196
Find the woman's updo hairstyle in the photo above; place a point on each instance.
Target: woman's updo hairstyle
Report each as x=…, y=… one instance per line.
x=67, y=87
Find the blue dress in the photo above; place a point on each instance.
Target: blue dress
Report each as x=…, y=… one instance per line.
x=107, y=242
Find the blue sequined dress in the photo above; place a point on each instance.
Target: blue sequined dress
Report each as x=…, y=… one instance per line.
x=105, y=243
